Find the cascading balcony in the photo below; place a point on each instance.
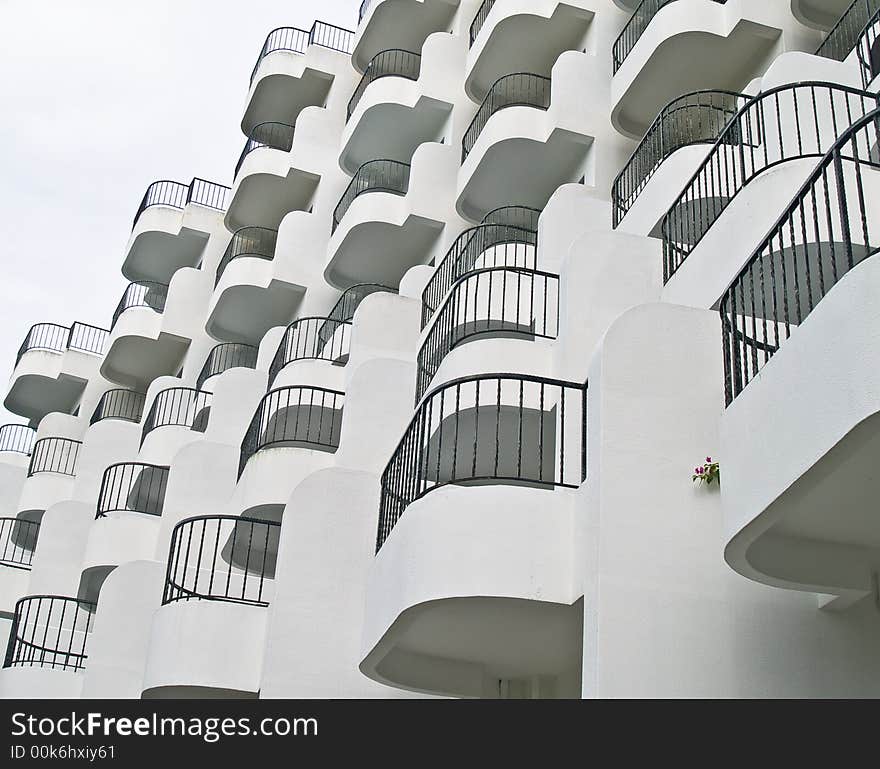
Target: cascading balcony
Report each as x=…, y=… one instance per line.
x=141, y=294
x=18, y=539
x=121, y=404
x=393, y=62
x=290, y=73
x=783, y=128
x=50, y=631
x=248, y=242
x=52, y=367
x=273, y=136
x=316, y=338
x=178, y=407
x=800, y=324
x=54, y=455
x=695, y=119
x=171, y=227
x=490, y=303
x=390, y=176
x=295, y=417
x=227, y=356
x=132, y=487
x=18, y=439
x=350, y=299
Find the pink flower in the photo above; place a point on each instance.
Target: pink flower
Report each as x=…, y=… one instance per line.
x=709, y=460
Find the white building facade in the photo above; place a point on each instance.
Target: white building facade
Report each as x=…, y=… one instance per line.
x=411, y=407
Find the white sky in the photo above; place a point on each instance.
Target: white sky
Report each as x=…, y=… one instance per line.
x=98, y=98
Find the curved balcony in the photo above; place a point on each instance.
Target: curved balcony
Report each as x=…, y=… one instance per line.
x=126, y=405
x=393, y=62
x=132, y=487
x=385, y=24
x=52, y=367
x=782, y=125
x=295, y=417
x=226, y=356
x=490, y=303
x=707, y=43
x=141, y=294
x=50, y=631
x=54, y=455
x=857, y=30
x=178, y=407
x=693, y=119
x=799, y=325
x=515, y=36
x=252, y=242
x=18, y=538
x=317, y=338
x=350, y=299
x=273, y=136
x=286, y=76
x=480, y=247
x=18, y=439
x=171, y=228
x=824, y=14
x=493, y=429
x=389, y=176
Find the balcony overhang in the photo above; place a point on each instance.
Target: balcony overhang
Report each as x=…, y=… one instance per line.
x=289, y=82
x=139, y=351
x=819, y=14
x=33, y=395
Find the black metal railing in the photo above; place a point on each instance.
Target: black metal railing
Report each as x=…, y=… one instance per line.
x=373, y=176
x=226, y=356
x=486, y=245
x=255, y=242
x=495, y=301
x=179, y=407
x=525, y=217
x=312, y=339
x=636, y=27
x=178, y=195
x=18, y=538
x=829, y=227
x=298, y=40
x=221, y=558
x=18, y=439
x=791, y=122
x=275, y=136
x=351, y=298
x=54, y=455
x=49, y=631
x=141, y=294
x=869, y=50
x=480, y=19
x=52, y=337
x=844, y=36
x=504, y=429
x=394, y=62
x=521, y=89
x=695, y=118
x=127, y=405
x=132, y=487
x=299, y=416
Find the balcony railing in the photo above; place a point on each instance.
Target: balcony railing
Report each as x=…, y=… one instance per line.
x=299, y=417
x=50, y=631
x=829, y=227
x=221, y=558
x=179, y=407
x=695, y=118
x=394, y=62
x=18, y=538
x=486, y=245
x=362, y=11
x=275, y=136
x=254, y=242
x=54, y=455
x=18, y=439
x=351, y=299
x=491, y=302
x=132, y=487
x=521, y=89
x=178, y=195
x=869, y=50
x=373, y=176
x=141, y=294
x=298, y=40
x=312, y=339
x=636, y=27
x=480, y=19
x=504, y=429
x=51, y=337
x=126, y=405
x=524, y=217
x=226, y=356
x=800, y=120
x=844, y=36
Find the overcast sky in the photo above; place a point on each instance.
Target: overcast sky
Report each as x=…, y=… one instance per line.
x=99, y=98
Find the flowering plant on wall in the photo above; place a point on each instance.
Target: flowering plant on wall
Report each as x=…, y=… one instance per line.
x=708, y=473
